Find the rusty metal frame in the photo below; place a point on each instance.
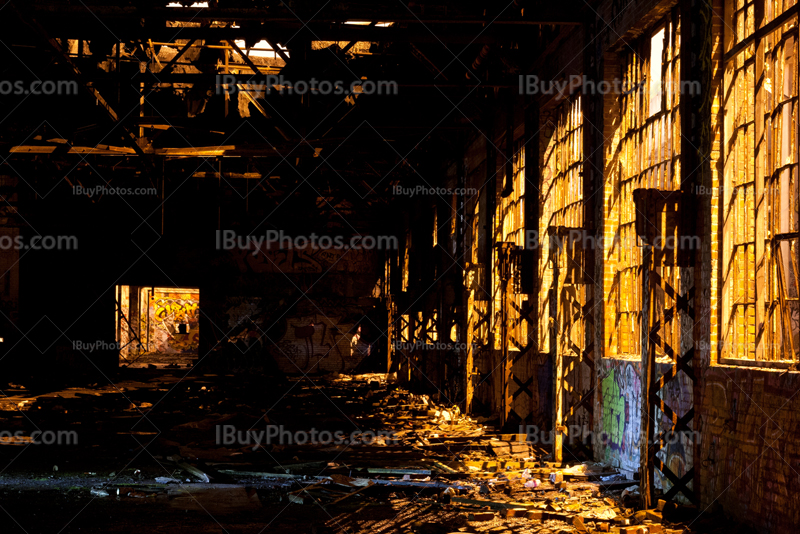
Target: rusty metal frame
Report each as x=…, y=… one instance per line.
x=652, y=208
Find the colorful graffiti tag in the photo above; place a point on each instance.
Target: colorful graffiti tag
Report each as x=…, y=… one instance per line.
x=620, y=422
x=174, y=320
x=613, y=411
x=300, y=340
x=318, y=342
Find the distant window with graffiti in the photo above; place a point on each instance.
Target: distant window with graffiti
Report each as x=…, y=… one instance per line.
x=174, y=315
x=156, y=325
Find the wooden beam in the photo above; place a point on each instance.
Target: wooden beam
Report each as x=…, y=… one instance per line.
x=245, y=57
x=171, y=63
x=277, y=50
x=352, y=43
x=504, y=252
x=218, y=79
x=272, y=33
x=153, y=53
x=229, y=175
x=50, y=149
x=568, y=13
x=64, y=57
x=250, y=97
x=264, y=150
x=425, y=60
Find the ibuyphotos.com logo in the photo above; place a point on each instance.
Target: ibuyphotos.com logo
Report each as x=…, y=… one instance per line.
x=229, y=435
x=575, y=84
x=38, y=87
x=275, y=83
x=275, y=239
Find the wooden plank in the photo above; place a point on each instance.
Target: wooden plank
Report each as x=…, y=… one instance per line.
x=387, y=471
x=263, y=150
x=497, y=505
x=335, y=13
x=65, y=58
x=171, y=63
x=277, y=49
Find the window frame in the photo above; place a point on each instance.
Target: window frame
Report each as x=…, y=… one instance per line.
x=749, y=37
x=639, y=158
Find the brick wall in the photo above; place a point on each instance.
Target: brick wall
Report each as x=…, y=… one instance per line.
x=749, y=454
x=746, y=456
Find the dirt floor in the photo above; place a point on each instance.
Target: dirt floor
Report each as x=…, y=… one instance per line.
x=161, y=360
x=149, y=453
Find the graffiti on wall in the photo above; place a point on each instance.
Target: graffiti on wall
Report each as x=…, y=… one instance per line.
x=174, y=317
x=245, y=322
x=619, y=398
x=304, y=260
x=323, y=336
x=678, y=452
x=748, y=454
x=320, y=343
x=619, y=406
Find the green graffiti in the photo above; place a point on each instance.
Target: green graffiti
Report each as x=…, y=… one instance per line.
x=613, y=411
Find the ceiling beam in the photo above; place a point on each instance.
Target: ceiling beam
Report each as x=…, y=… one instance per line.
x=129, y=137
x=568, y=12
x=282, y=32
x=221, y=79
x=168, y=67
x=249, y=150
x=352, y=43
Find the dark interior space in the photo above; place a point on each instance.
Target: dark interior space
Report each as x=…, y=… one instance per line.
x=400, y=266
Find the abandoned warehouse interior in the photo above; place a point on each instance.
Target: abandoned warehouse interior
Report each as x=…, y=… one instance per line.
x=400, y=266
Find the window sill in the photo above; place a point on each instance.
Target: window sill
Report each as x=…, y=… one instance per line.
x=780, y=365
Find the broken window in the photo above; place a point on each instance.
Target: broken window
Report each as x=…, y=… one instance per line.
x=432, y=328
x=644, y=154
x=510, y=228
x=477, y=304
x=419, y=328
x=759, y=311
x=562, y=206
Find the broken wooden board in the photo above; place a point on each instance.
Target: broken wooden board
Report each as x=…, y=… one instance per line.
x=419, y=484
x=497, y=505
x=386, y=471
x=500, y=465
x=195, y=472
x=514, y=449
x=259, y=474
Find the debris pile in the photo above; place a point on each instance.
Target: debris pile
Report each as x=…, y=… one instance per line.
x=428, y=451
x=367, y=444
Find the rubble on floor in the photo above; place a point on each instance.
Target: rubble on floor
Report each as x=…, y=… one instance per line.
x=496, y=481
x=405, y=452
